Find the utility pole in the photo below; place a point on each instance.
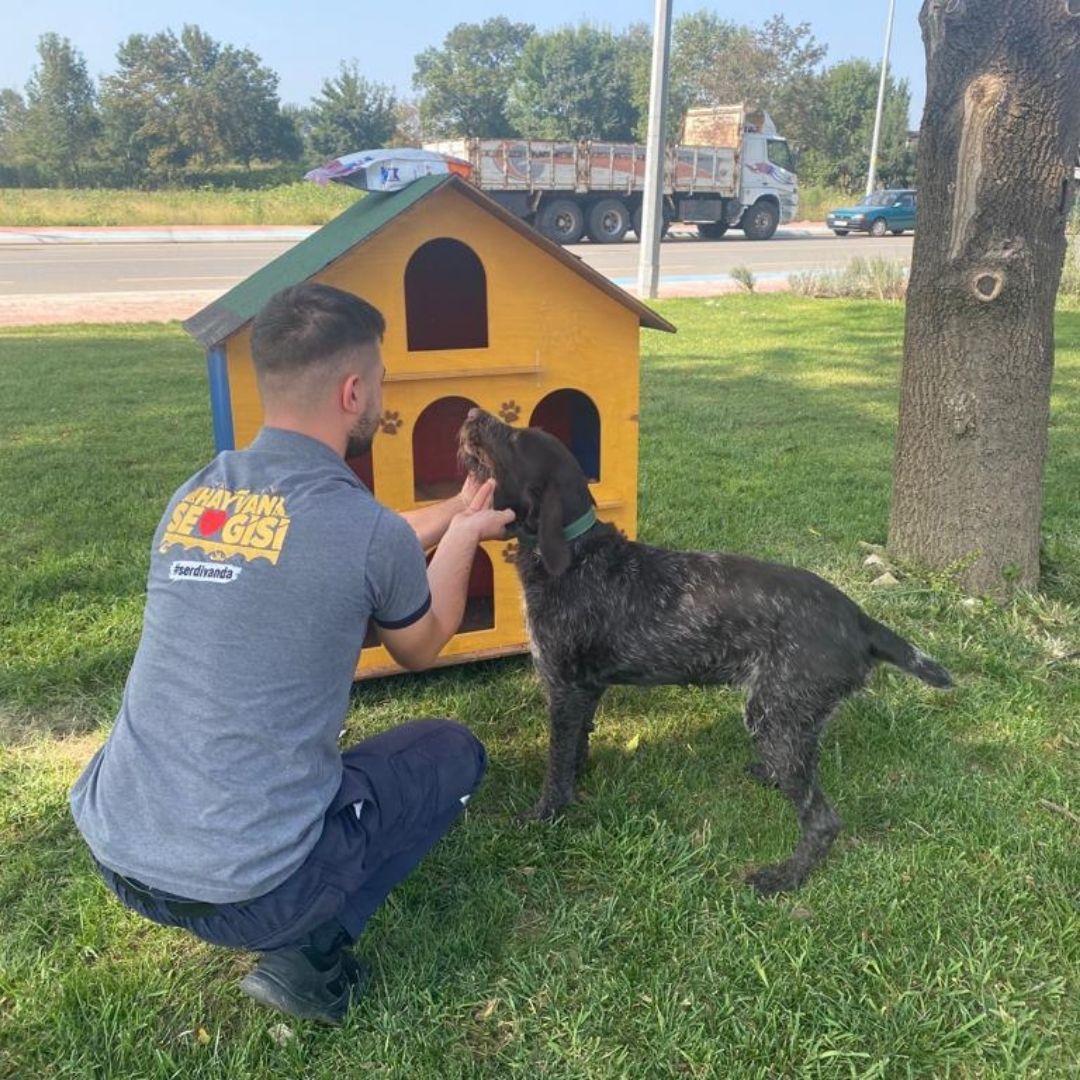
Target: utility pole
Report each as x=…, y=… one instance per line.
x=872, y=177
x=652, y=215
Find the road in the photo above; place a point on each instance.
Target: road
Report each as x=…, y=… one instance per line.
x=687, y=259
x=94, y=268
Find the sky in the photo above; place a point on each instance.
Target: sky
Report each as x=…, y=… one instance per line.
x=305, y=42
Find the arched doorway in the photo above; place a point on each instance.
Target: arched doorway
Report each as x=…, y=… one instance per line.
x=574, y=420
x=445, y=297
x=435, y=444
x=364, y=468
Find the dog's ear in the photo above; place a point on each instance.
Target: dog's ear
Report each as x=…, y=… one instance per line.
x=554, y=551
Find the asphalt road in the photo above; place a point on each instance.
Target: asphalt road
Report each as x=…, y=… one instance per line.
x=61, y=269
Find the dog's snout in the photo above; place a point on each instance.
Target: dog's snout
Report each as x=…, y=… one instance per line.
x=474, y=413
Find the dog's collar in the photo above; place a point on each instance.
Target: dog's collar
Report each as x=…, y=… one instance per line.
x=581, y=526
x=570, y=532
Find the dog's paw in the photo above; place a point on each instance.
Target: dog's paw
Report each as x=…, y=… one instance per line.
x=759, y=771
x=770, y=880
x=542, y=811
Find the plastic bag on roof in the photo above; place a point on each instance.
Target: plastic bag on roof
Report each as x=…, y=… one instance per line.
x=386, y=170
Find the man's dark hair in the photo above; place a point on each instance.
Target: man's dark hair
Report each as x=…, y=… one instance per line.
x=308, y=324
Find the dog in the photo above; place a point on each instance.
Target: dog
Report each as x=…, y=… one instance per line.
x=603, y=610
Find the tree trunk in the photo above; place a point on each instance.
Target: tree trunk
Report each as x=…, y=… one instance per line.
x=996, y=155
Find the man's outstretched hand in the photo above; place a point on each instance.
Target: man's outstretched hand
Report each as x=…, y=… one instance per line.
x=479, y=515
x=469, y=490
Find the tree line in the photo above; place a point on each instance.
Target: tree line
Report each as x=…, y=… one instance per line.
x=182, y=108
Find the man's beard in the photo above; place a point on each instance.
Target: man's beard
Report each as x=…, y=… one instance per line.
x=361, y=436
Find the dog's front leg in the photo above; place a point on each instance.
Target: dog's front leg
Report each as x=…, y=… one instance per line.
x=570, y=713
x=581, y=759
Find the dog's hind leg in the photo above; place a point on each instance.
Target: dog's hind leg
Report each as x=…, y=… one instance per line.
x=786, y=735
x=571, y=710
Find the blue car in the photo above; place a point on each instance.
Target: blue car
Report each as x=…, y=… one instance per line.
x=884, y=211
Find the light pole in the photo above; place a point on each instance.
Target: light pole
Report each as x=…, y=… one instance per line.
x=872, y=177
x=652, y=214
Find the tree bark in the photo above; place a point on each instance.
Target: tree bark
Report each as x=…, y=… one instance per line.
x=995, y=178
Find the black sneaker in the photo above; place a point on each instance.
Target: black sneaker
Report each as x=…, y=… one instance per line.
x=288, y=981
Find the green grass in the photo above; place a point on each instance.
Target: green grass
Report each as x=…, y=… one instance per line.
x=299, y=203
x=286, y=204
x=942, y=937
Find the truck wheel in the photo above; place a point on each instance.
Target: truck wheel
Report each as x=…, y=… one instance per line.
x=879, y=227
x=608, y=221
x=561, y=220
x=760, y=221
x=711, y=230
x=637, y=216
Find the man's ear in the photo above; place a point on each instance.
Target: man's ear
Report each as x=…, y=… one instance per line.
x=351, y=393
x=554, y=551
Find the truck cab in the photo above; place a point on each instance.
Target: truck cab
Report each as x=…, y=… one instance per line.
x=767, y=193
x=768, y=172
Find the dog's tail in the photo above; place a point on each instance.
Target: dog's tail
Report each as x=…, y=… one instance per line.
x=893, y=649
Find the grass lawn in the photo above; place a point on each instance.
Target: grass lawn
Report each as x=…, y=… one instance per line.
x=286, y=204
x=942, y=938
x=301, y=203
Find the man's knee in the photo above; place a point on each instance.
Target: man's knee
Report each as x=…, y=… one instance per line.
x=457, y=746
x=421, y=758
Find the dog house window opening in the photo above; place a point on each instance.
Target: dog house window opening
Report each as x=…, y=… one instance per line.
x=364, y=468
x=436, y=474
x=479, y=602
x=574, y=420
x=445, y=297
x=480, y=598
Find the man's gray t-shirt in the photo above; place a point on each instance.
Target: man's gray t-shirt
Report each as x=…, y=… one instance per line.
x=224, y=757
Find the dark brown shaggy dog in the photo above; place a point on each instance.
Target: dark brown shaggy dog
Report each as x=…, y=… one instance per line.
x=604, y=610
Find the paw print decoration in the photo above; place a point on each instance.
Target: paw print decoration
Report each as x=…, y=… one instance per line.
x=510, y=411
x=510, y=552
x=390, y=422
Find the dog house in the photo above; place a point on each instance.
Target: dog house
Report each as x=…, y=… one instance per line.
x=480, y=310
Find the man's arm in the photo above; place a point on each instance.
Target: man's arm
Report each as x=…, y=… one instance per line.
x=416, y=646
x=431, y=522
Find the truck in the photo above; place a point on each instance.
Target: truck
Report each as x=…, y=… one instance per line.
x=731, y=170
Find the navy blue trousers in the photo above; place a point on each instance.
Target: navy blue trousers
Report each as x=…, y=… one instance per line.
x=400, y=792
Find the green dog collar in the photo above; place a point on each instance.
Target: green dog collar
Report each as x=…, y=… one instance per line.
x=570, y=532
x=582, y=525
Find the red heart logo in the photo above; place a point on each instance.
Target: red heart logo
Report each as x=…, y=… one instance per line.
x=211, y=521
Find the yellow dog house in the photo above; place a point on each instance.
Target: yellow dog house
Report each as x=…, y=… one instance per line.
x=480, y=310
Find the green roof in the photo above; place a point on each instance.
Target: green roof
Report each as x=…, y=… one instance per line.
x=353, y=227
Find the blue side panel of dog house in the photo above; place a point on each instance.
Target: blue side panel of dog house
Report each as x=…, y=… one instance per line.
x=585, y=435
x=220, y=400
